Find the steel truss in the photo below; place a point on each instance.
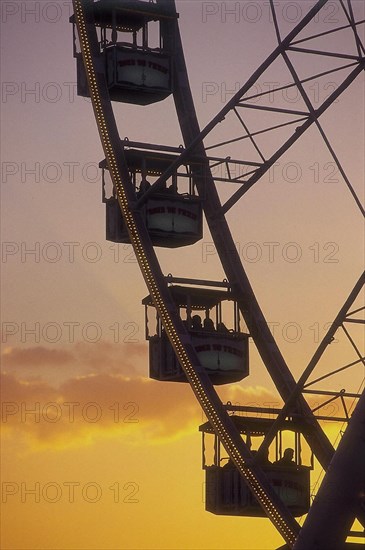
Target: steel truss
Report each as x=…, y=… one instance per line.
x=215, y=215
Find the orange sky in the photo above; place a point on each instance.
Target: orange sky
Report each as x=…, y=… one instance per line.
x=73, y=345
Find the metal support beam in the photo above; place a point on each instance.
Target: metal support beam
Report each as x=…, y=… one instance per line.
x=335, y=506
x=293, y=138
x=290, y=402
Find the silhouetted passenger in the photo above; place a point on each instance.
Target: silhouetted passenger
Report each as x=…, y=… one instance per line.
x=208, y=325
x=262, y=457
x=286, y=459
x=221, y=327
x=196, y=322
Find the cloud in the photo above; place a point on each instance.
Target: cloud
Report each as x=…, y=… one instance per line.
x=83, y=409
x=39, y=355
x=74, y=396
x=81, y=358
x=101, y=405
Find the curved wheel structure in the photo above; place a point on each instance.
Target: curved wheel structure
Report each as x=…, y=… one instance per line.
x=215, y=212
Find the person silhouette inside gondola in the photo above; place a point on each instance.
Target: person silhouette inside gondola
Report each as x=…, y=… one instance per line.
x=196, y=322
x=208, y=325
x=287, y=459
x=262, y=457
x=221, y=327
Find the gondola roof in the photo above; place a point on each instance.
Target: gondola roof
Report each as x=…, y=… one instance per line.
x=260, y=426
x=197, y=298
x=155, y=162
x=130, y=15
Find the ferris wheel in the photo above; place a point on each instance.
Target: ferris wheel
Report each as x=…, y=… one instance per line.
x=158, y=195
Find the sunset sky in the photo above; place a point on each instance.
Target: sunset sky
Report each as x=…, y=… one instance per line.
x=113, y=458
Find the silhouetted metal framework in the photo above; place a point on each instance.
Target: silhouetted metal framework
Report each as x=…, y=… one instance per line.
x=113, y=147
x=339, y=491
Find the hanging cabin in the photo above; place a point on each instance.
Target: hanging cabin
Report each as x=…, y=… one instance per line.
x=222, y=351
x=173, y=215
x=136, y=50
x=226, y=492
